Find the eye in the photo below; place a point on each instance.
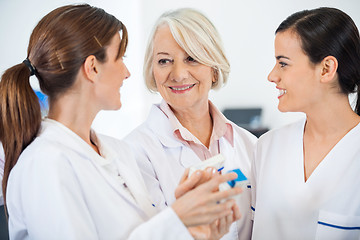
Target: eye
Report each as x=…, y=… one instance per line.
x=282, y=64
x=190, y=59
x=164, y=61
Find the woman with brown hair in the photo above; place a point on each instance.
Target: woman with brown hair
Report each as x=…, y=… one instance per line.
x=61, y=179
x=306, y=175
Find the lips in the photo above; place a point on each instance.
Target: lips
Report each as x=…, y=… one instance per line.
x=182, y=88
x=282, y=92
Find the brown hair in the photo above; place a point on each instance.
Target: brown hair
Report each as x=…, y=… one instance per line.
x=58, y=47
x=330, y=32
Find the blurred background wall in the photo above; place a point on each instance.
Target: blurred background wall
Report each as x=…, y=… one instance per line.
x=247, y=29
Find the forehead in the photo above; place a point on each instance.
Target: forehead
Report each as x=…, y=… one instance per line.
x=113, y=48
x=163, y=31
x=163, y=38
x=287, y=42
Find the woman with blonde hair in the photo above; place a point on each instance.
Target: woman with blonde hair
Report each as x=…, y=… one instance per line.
x=184, y=60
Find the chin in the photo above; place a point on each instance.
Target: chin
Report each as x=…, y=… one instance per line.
x=114, y=107
x=282, y=109
x=285, y=109
x=185, y=103
x=118, y=107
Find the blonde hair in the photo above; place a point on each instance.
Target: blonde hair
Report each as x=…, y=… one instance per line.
x=198, y=37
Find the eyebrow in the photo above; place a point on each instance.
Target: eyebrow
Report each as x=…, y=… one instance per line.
x=281, y=56
x=162, y=53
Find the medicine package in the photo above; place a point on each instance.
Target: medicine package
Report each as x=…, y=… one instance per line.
x=218, y=163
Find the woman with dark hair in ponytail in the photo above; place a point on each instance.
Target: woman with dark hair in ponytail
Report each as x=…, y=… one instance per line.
x=307, y=174
x=61, y=179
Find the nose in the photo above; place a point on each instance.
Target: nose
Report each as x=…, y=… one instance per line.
x=127, y=75
x=273, y=76
x=179, y=71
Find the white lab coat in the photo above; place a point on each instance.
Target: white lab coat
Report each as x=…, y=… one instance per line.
x=59, y=189
x=326, y=206
x=162, y=159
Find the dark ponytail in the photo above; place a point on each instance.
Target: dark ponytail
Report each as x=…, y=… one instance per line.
x=20, y=116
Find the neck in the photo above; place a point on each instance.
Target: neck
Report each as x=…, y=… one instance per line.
x=331, y=118
x=74, y=112
x=198, y=121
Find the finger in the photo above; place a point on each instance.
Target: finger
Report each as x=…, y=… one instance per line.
x=215, y=173
x=218, y=196
x=207, y=174
x=223, y=224
x=184, y=176
x=188, y=184
x=199, y=232
x=236, y=212
x=215, y=181
x=214, y=230
x=228, y=222
x=215, y=211
x=210, y=172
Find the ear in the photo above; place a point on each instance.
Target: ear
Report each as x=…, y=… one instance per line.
x=329, y=66
x=215, y=76
x=90, y=68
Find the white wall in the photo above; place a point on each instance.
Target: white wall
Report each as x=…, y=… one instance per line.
x=19, y=17
x=247, y=29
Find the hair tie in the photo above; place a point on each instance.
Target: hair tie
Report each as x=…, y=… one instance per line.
x=30, y=66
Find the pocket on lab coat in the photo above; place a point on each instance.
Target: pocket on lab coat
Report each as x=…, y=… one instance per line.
x=337, y=226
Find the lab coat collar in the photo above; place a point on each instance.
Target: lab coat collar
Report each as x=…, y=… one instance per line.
x=188, y=157
x=334, y=165
x=164, y=133
x=137, y=190
x=73, y=141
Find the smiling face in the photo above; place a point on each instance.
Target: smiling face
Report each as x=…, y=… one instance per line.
x=183, y=82
x=294, y=75
x=112, y=73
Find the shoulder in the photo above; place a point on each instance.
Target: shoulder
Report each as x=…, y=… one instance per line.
x=279, y=139
x=44, y=153
x=120, y=148
x=155, y=132
x=41, y=165
x=154, y=121
x=140, y=133
x=113, y=143
x=142, y=139
x=285, y=133
x=243, y=134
